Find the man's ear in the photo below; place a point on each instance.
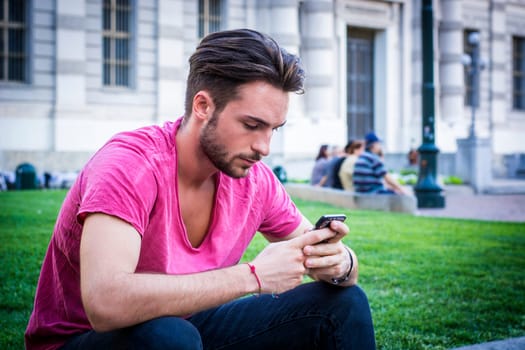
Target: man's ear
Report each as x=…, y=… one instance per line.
x=203, y=105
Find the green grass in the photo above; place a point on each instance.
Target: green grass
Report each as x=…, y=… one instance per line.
x=432, y=283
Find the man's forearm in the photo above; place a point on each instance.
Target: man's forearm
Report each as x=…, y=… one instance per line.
x=393, y=184
x=133, y=298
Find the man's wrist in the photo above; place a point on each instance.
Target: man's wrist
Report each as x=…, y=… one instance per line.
x=256, y=276
x=346, y=277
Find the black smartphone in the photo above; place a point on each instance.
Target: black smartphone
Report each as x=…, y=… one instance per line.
x=324, y=221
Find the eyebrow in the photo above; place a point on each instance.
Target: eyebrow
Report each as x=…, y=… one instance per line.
x=264, y=122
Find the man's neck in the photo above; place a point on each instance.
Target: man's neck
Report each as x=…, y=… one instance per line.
x=193, y=167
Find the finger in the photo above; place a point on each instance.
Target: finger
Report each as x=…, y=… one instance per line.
x=312, y=237
x=322, y=249
x=321, y=262
x=339, y=227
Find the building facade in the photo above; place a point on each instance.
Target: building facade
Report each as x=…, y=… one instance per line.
x=74, y=72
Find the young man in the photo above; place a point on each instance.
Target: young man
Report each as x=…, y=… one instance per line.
x=146, y=249
x=370, y=175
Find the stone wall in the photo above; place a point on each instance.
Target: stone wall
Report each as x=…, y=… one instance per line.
x=351, y=200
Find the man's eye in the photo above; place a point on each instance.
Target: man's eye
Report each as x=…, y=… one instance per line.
x=277, y=129
x=251, y=126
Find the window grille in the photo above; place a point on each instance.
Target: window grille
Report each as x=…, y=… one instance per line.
x=116, y=35
x=467, y=49
x=12, y=40
x=518, y=73
x=209, y=17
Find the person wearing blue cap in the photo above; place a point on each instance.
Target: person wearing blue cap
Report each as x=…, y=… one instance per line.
x=370, y=175
x=371, y=138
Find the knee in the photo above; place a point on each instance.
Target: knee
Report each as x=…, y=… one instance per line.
x=356, y=295
x=166, y=333
x=357, y=307
x=356, y=319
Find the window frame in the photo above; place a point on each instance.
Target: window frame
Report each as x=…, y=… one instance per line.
x=518, y=73
x=113, y=35
x=6, y=52
x=210, y=15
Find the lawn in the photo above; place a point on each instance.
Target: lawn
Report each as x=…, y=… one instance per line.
x=432, y=283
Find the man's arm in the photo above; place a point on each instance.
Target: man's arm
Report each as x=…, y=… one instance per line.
x=393, y=184
x=115, y=296
x=322, y=181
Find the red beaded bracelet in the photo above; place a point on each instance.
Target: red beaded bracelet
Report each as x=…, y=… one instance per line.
x=252, y=269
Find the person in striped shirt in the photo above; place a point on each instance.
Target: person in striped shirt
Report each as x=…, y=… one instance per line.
x=370, y=174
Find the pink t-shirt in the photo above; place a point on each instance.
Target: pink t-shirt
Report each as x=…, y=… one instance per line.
x=133, y=177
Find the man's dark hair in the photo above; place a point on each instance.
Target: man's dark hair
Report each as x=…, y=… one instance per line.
x=224, y=60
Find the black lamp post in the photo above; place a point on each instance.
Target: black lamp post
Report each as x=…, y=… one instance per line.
x=428, y=192
x=475, y=65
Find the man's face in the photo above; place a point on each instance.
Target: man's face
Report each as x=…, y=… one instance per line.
x=239, y=136
x=376, y=148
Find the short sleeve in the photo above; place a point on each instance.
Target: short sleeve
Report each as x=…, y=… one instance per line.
x=118, y=181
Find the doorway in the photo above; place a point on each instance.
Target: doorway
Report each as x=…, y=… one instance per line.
x=360, y=82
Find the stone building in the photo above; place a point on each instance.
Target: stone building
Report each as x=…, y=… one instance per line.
x=74, y=72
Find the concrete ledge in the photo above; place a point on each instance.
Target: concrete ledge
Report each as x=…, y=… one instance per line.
x=352, y=200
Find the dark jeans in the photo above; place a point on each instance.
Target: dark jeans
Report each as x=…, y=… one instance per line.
x=315, y=315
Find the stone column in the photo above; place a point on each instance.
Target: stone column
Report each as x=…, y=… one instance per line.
x=171, y=61
x=450, y=66
x=319, y=48
x=70, y=57
x=497, y=63
x=283, y=26
x=284, y=23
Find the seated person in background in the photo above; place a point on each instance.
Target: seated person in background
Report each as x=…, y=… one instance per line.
x=146, y=249
x=319, y=169
x=346, y=173
x=370, y=175
x=331, y=177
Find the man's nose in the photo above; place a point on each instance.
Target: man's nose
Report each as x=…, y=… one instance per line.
x=262, y=144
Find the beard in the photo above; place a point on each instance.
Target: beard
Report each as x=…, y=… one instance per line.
x=218, y=154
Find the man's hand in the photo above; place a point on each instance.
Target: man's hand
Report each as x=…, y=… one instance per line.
x=331, y=260
x=281, y=265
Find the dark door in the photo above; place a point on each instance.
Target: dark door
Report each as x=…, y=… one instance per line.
x=360, y=82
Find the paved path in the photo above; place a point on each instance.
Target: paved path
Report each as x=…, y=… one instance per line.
x=504, y=202
x=507, y=207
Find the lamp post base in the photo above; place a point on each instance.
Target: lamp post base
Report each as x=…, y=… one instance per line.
x=430, y=200
x=427, y=191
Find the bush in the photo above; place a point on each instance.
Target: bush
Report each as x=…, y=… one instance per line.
x=452, y=180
